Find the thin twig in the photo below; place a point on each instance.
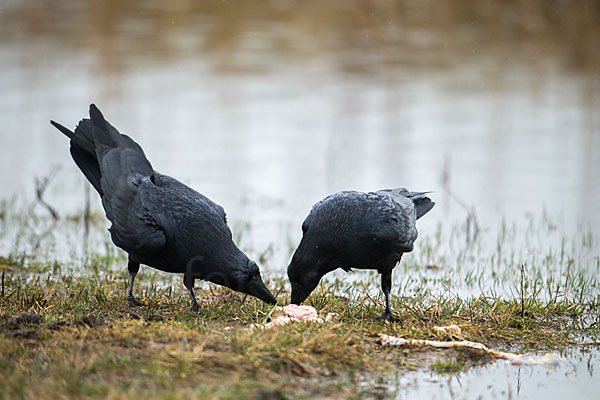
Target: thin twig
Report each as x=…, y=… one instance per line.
x=366, y=292
x=86, y=210
x=40, y=237
x=40, y=188
x=86, y=218
x=522, y=291
x=567, y=281
x=472, y=224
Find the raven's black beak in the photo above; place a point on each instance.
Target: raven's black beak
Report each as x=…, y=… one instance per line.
x=257, y=288
x=299, y=293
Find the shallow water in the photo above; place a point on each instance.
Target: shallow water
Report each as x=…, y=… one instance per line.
x=266, y=108
x=501, y=380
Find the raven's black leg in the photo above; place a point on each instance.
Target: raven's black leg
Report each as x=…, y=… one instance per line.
x=133, y=268
x=188, y=282
x=386, y=286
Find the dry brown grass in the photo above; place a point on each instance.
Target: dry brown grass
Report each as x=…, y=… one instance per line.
x=92, y=344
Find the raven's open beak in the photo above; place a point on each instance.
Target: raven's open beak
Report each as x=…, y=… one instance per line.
x=257, y=288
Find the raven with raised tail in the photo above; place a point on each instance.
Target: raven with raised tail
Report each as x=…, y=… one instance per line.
x=357, y=230
x=157, y=220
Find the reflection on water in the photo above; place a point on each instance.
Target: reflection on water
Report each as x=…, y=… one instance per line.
x=502, y=381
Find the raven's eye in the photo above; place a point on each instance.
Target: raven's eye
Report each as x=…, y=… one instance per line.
x=252, y=271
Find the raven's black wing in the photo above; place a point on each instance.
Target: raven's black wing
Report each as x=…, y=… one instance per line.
x=138, y=220
x=397, y=222
x=187, y=192
x=130, y=199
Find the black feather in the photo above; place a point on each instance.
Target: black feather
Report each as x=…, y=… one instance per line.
x=63, y=129
x=423, y=206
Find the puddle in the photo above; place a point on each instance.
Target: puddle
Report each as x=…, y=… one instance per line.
x=499, y=380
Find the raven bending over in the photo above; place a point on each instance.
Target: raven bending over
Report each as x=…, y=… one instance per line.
x=157, y=220
x=357, y=230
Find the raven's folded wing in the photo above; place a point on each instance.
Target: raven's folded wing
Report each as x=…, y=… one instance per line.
x=168, y=182
x=138, y=223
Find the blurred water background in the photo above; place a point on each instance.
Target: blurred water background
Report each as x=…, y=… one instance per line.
x=266, y=107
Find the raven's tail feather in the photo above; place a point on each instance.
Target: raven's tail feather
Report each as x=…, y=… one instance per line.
x=68, y=133
x=83, y=150
x=101, y=151
x=423, y=205
x=102, y=135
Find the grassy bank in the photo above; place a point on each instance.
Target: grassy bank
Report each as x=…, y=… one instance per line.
x=91, y=343
x=513, y=289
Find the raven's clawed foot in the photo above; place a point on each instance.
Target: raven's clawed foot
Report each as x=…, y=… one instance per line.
x=388, y=317
x=133, y=300
x=195, y=308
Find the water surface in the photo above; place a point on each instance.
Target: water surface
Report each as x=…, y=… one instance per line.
x=268, y=108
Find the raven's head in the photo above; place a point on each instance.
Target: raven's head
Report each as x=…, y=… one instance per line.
x=239, y=273
x=252, y=284
x=305, y=271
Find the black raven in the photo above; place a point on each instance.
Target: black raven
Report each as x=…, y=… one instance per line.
x=357, y=230
x=157, y=220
